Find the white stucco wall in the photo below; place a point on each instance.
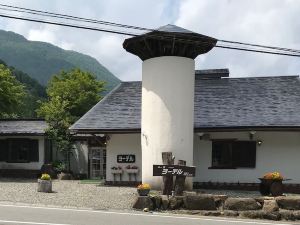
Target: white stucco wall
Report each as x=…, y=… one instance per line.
x=30, y=165
x=167, y=112
x=123, y=144
x=280, y=151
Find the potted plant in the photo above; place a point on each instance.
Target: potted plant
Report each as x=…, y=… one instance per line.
x=116, y=170
x=132, y=169
x=143, y=189
x=45, y=183
x=61, y=169
x=271, y=183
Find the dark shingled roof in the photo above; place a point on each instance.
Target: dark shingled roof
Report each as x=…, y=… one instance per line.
x=219, y=103
x=22, y=127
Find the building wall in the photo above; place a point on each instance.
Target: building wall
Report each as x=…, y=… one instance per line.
x=123, y=144
x=279, y=151
x=30, y=165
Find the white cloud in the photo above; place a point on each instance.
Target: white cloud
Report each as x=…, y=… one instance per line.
x=270, y=22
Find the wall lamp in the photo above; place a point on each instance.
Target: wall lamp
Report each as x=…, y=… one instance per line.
x=259, y=142
x=251, y=134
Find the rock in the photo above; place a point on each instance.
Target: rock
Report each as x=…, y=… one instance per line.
x=44, y=186
x=263, y=198
x=146, y=210
x=259, y=214
x=200, y=202
x=291, y=202
x=173, y=203
x=241, y=204
x=156, y=201
x=209, y=213
x=219, y=200
x=230, y=213
x=164, y=202
x=143, y=202
x=296, y=214
x=270, y=206
x=287, y=215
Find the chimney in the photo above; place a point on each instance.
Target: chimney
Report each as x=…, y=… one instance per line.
x=168, y=78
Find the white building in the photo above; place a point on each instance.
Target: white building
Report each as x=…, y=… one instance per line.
x=23, y=147
x=232, y=129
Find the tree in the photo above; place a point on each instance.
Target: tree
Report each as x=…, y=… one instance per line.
x=12, y=93
x=70, y=95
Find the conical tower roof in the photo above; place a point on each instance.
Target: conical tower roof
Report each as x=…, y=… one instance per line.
x=169, y=40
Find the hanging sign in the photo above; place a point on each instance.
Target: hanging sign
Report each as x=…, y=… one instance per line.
x=126, y=158
x=174, y=170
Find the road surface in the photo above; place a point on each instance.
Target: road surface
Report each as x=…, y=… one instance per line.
x=18, y=214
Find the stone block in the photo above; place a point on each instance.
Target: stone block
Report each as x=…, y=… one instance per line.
x=270, y=206
x=259, y=214
x=200, y=202
x=291, y=202
x=156, y=201
x=143, y=202
x=164, y=202
x=209, y=213
x=241, y=204
x=230, y=213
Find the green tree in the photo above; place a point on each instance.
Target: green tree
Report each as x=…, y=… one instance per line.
x=12, y=93
x=70, y=95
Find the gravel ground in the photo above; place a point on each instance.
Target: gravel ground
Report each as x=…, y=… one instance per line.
x=67, y=194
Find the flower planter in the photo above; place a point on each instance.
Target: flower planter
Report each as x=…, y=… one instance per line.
x=132, y=170
x=271, y=186
x=116, y=171
x=143, y=192
x=44, y=186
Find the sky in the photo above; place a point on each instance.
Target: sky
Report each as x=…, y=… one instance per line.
x=268, y=22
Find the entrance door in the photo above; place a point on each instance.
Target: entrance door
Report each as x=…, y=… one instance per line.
x=97, y=163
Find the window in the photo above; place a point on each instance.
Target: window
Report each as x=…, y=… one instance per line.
x=233, y=154
x=19, y=150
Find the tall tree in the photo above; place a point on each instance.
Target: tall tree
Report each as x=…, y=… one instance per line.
x=12, y=93
x=70, y=95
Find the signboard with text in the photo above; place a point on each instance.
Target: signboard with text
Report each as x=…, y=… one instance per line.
x=126, y=158
x=174, y=170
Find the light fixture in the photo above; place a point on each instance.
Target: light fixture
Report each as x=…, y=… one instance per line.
x=259, y=142
x=251, y=134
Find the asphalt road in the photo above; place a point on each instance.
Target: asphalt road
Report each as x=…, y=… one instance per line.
x=17, y=214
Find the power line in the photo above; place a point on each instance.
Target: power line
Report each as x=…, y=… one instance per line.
x=58, y=15
x=67, y=25
x=81, y=19
x=278, y=50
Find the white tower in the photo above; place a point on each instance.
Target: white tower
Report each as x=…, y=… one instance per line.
x=167, y=123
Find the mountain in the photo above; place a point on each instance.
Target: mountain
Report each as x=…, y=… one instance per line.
x=35, y=92
x=41, y=60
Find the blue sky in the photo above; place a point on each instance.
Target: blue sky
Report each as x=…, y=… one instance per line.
x=270, y=22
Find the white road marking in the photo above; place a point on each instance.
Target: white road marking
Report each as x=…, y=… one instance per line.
x=143, y=214
x=28, y=222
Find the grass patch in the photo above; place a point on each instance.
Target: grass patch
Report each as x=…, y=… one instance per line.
x=91, y=181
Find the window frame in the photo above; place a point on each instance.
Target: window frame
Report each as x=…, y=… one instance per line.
x=232, y=143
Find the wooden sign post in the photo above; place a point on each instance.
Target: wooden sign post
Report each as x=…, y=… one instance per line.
x=168, y=170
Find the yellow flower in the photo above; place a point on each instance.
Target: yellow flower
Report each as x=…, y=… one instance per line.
x=144, y=187
x=273, y=176
x=45, y=176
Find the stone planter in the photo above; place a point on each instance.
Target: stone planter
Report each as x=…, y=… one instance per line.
x=116, y=171
x=44, y=186
x=132, y=171
x=143, y=192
